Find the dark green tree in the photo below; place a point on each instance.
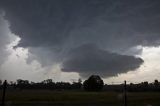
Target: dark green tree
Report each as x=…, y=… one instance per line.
x=93, y=83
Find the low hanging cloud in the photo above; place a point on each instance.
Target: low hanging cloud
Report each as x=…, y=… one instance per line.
x=50, y=29
x=89, y=59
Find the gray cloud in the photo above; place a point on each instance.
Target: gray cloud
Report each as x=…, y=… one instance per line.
x=89, y=59
x=5, y=38
x=50, y=29
x=53, y=23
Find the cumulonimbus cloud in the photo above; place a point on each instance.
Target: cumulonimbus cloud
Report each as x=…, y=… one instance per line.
x=50, y=29
x=5, y=38
x=54, y=23
x=89, y=59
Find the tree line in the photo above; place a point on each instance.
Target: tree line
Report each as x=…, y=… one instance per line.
x=131, y=87
x=93, y=83
x=46, y=84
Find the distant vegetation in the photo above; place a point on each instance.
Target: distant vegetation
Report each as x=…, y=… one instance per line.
x=139, y=87
x=46, y=84
x=93, y=83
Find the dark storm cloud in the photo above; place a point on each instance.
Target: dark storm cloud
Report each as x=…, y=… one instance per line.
x=53, y=23
x=51, y=28
x=89, y=59
x=40, y=22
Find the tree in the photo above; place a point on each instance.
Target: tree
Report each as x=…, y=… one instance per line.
x=77, y=85
x=93, y=83
x=47, y=81
x=20, y=81
x=156, y=83
x=79, y=80
x=0, y=82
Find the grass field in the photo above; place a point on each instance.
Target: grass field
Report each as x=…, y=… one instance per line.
x=79, y=98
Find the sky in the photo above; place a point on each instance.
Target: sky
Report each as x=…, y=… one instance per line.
x=65, y=40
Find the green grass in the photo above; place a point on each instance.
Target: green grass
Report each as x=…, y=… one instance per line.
x=79, y=98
